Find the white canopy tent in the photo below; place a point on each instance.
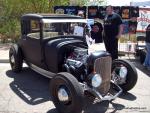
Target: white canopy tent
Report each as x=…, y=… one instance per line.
x=128, y=2
x=143, y=3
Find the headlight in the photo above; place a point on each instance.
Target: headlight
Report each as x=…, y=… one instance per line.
x=123, y=72
x=96, y=80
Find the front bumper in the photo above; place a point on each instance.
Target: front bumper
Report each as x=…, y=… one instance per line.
x=109, y=96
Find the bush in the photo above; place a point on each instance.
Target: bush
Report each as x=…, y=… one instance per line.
x=12, y=10
x=10, y=31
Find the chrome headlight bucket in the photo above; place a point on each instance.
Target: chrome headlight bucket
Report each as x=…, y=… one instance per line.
x=96, y=80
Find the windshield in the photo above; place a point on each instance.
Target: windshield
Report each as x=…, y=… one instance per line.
x=54, y=28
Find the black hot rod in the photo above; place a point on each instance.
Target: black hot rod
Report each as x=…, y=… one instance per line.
x=55, y=46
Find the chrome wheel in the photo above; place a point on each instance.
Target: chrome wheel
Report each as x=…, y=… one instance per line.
x=66, y=93
x=119, y=75
x=124, y=74
x=63, y=95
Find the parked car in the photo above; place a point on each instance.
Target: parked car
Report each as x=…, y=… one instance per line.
x=55, y=46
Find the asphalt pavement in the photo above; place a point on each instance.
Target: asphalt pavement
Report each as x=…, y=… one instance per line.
x=4, y=52
x=28, y=92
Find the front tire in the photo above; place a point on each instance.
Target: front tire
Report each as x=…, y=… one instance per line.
x=66, y=93
x=131, y=76
x=15, y=58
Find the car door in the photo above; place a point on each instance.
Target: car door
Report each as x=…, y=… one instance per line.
x=31, y=42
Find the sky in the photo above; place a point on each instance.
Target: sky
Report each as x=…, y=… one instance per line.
x=122, y=2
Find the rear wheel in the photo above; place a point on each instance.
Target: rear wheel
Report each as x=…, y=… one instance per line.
x=67, y=94
x=15, y=58
x=124, y=74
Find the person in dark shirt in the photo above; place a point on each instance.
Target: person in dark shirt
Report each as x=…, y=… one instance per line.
x=112, y=31
x=96, y=32
x=147, y=40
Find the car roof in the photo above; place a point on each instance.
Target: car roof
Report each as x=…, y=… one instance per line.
x=49, y=16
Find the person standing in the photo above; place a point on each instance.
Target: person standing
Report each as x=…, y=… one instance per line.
x=96, y=32
x=112, y=31
x=147, y=40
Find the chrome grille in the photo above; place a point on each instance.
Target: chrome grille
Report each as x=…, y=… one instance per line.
x=103, y=67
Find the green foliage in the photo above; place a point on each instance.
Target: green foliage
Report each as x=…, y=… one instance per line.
x=12, y=10
x=89, y=2
x=11, y=30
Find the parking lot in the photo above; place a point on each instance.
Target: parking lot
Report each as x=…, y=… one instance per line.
x=28, y=92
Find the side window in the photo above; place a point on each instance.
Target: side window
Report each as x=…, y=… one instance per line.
x=51, y=30
x=34, y=29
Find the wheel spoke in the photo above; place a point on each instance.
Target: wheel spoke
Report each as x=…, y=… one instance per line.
x=120, y=76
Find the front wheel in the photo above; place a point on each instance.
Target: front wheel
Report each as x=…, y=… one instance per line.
x=67, y=94
x=124, y=74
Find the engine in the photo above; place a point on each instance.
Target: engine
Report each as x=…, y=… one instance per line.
x=76, y=63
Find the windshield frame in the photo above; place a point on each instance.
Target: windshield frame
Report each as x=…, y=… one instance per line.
x=48, y=20
x=64, y=20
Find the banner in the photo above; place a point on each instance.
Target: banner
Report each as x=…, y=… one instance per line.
x=143, y=19
x=71, y=10
x=102, y=12
x=93, y=12
x=117, y=9
x=134, y=11
x=125, y=12
x=82, y=9
x=59, y=10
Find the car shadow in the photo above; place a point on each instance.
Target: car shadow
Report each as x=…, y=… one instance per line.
x=128, y=96
x=102, y=107
x=30, y=86
x=33, y=89
x=90, y=108
x=116, y=107
x=52, y=111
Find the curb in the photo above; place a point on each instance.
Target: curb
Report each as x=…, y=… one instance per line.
x=4, y=61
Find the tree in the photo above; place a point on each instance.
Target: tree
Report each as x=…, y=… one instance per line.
x=12, y=10
x=87, y=2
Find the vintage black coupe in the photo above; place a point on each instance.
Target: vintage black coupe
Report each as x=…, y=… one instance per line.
x=55, y=46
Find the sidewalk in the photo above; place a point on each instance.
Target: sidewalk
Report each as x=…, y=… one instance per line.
x=4, y=53
x=4, y=50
